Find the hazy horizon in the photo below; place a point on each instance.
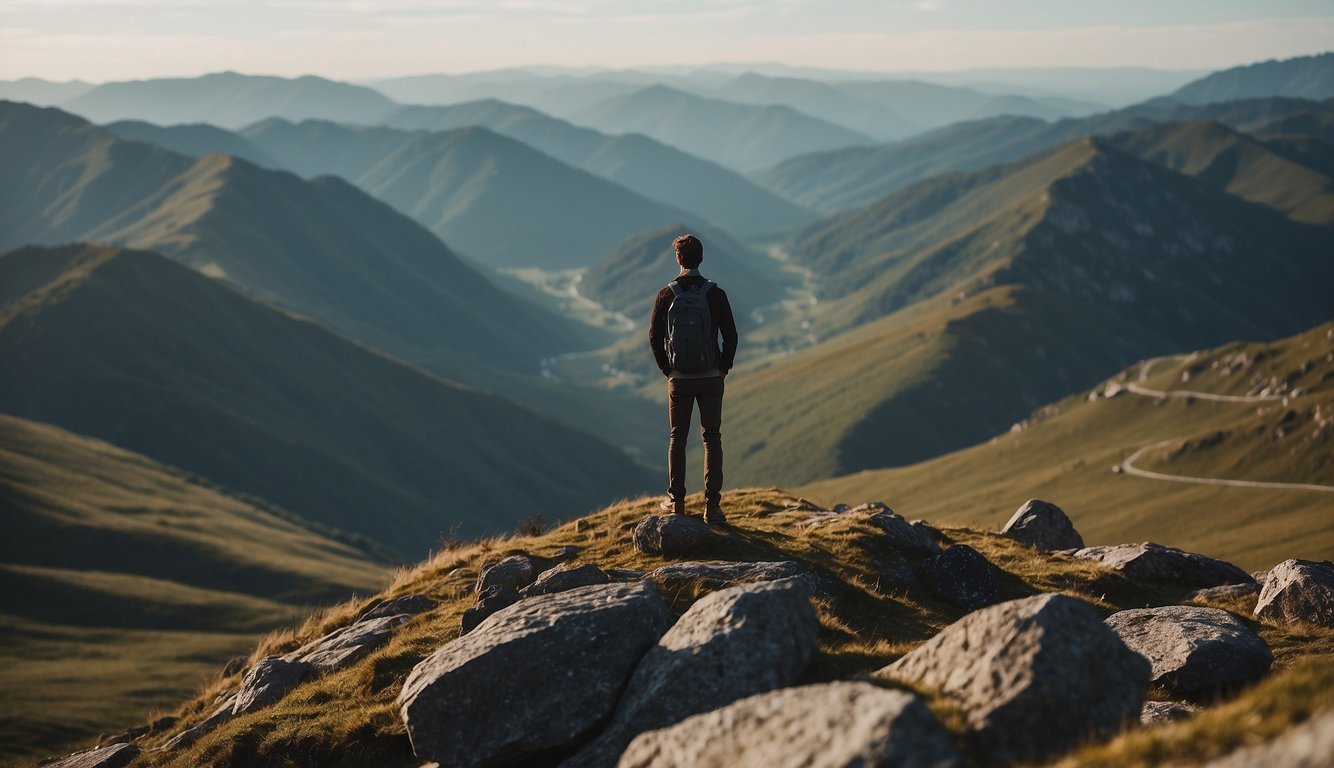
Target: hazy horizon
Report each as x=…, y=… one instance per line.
x=356, y=40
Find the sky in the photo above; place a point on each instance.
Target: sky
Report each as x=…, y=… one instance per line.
x=101, y=40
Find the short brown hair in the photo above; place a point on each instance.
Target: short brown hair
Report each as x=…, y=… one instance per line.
x=689, y=251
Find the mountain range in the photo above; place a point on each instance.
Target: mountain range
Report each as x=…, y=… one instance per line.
x=1303, y=77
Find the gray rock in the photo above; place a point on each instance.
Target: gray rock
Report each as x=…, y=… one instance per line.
x=1154, y=562
x=567, y=552
x=114, y=756
x=1160, y=712
x=871, y=508
x=1195, y=652
x=269, y=680
x=534, y=677
x=515, y=572
x=1043, y=525
x=962, y=576
x=1225, y=592
x=625, y=574
x=561, y=579
x=489, y=602
x=1307, y=745
x=670, y=535
x=234, y=665
x=832, y=725
x=345, y=646
x=409, y=604
x=1034, y=677
x=189, y=736
x=904, y=534
x=710, y=575
x=1298, y=591
x=731, y=644
x=895, y=573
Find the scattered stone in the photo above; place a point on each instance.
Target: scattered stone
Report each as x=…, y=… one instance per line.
x=124, y=737
x=840, y=509
x=1308, y=745
x=1160, y=712
x=830, y=725
x=731, y=644
x=190, y=735
x=269, y=680
x=1225, y=592
x=409, y=604
x=1154, y=562
x=896, y=573
x=162, y=724
x=115, y=756
x=492, y=600
x=712, y=575
x=1034, y=677
x=1195, y=652
x=625, y=574
x=515, y=572
x=344, y=646
x=903, y=534
x=234, y=665
x=962, y=576
x=871, y=508
x=567, y=552
x=669, y=535
x=1043, y=525
x=535, y=677
x=1300, y=591
x=562, y=578
x=803, y=505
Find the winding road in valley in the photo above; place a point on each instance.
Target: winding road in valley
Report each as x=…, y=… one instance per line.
x=1128, y=466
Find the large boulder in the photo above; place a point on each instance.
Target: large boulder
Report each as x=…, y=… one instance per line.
x=268, y=681
x=1298, y=591
x=1043, y=525
x=731, y=644
x=712, y=575
x=514, y=572
x=1194, y=652
x=535, y=677
x=490, y=601
x=563, y=578
x=409, y=604
x=114, y=756
x=669, y=535
x=1308, y=745
x=345, y=646
x=962, y=576
x=1154, y=562
x=831, y=725
x=903, y=534
x=1034, y=677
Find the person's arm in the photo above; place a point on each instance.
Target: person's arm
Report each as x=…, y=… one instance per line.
x=727, y=327
x=657, y=331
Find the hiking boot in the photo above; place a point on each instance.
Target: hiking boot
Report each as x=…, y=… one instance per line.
x=713, y=514
x=672, y=506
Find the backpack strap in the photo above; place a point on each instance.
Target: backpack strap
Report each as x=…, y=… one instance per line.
x=676, y=287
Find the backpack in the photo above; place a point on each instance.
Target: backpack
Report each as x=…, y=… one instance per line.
x=689, y=346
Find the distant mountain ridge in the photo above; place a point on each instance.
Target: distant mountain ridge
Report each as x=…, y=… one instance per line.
x=1303, y=77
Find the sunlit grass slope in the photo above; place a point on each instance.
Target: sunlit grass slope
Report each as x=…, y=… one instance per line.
x=123, y=582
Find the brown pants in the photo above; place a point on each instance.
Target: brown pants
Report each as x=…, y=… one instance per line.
x=682, y=394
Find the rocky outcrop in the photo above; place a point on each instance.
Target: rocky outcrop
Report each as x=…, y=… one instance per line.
x=1298, y=591
x=1156, y=563
x=532, y=678
x=1044, y=526
x=345, y=646
x=876, y=728
x=406, y=604
x=669, y=535
x=562, y=578
x=904, y=534
x=1160, y=712
x=114, y=756
x=266, y=682
x=962, y=576
x=1033, y=677
x=1225, y=592
x=731, y=644
x=1308, y=745
x=489, y=601
x=1194, y=652
x=514, y=572
x=713, y=575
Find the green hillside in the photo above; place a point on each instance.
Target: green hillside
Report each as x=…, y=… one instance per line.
x=124, y=583
x=132, y=348
x=1303, y=77
x=497, y=200
x=653, y=169
x=739, y=136
x=230, y=100
x=1068, y=451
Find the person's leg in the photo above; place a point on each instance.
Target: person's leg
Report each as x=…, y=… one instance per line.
x=680, y=402
x=710, y=425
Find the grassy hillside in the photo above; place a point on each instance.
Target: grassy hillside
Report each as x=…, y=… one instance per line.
x=135, y=349
x=230, y=100
x=498, y=200
x=1303, y=77
x=123, y=583
x=1067, y=452
x=739, y=136
x=193, y=140
x=349, y=718
x=639, y=163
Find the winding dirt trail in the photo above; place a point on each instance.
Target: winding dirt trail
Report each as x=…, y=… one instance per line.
x=1129, y=468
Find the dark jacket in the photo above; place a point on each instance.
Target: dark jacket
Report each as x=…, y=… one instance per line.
x=720, y=315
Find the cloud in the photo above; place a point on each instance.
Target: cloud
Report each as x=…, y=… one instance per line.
x=927, y=6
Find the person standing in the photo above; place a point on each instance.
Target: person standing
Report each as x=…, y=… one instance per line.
x=689, y=316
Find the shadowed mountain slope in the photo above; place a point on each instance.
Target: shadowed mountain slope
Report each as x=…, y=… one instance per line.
x=230, y=100
x=1304, y=77
x=651, y=168
x=194, y=140
x=132, y=348
x=740, y=136
x=496, y=199
x=35, y=90
x=124, y=582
